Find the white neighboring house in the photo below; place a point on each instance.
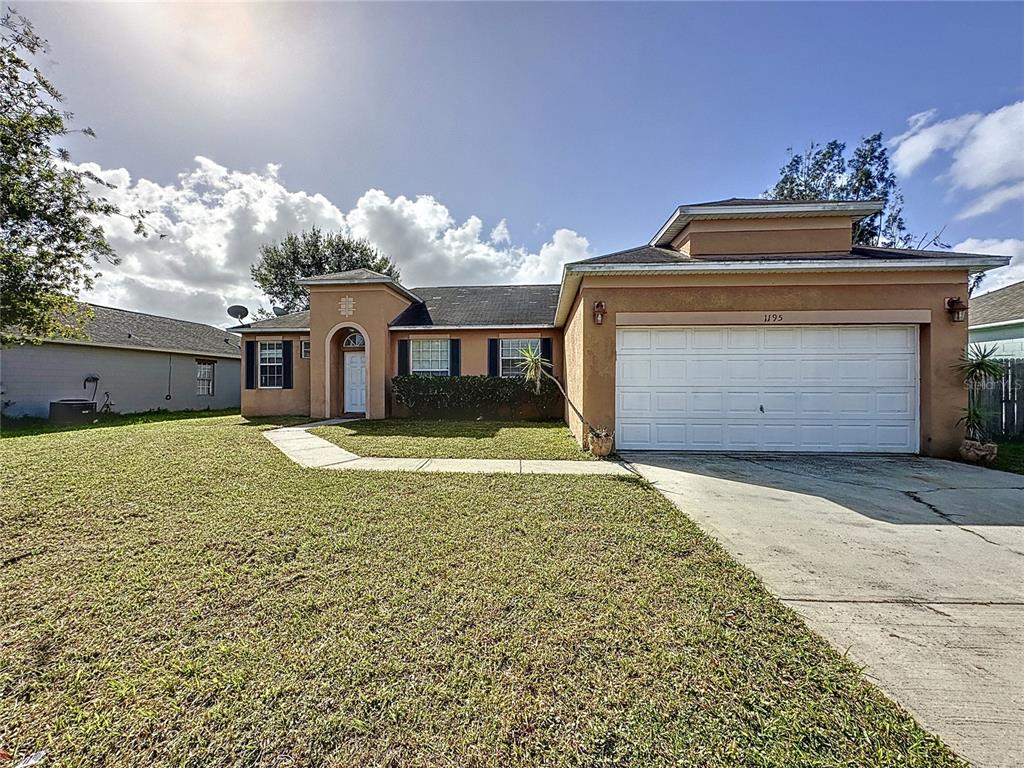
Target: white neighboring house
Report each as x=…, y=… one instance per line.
x=996, y=319
x=143, y=362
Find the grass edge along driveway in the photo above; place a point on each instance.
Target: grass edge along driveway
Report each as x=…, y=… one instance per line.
x=181, y=593
x=419, y=438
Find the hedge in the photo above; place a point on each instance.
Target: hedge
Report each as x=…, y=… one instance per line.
x=472, y=396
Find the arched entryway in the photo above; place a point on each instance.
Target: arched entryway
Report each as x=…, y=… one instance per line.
x=346, y=377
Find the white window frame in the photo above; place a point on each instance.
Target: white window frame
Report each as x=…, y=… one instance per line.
x=270, y=345
x=510, y=353
x=304, y=349
x=354, y=340
x=427, y=355
x=205, y=384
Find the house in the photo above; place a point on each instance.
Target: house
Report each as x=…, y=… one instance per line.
x=135, y=361
x=997, y=321
x=742, y=325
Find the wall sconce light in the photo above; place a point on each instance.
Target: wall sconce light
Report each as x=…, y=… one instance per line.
x=956, y=308
x=599, y=312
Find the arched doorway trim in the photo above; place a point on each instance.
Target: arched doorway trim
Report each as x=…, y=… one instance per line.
x=329, y=368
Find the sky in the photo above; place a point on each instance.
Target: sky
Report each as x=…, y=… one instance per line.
x=490, y=143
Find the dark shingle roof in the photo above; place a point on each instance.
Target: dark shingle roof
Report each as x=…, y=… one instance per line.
x=482, y=305
x=123, y=328
x=1001, y=306
x=648, y=254
x=298, y=321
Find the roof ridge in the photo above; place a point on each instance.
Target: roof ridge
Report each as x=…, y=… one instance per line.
x=490, y=285
x=151, y=314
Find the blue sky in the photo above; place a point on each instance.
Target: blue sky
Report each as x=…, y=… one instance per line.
x=569, y=122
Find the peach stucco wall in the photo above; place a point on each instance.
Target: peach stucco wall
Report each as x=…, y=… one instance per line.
x=372, y=308
x=942, y=342
x=278, y=402
x=815, y=234
x=573, y=344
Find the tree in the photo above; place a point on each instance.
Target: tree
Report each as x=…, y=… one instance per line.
x=824, y=173
x=310, y=253
x=50, y=235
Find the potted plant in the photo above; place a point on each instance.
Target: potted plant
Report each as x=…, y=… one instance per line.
x=599, y=439
x=977, y=366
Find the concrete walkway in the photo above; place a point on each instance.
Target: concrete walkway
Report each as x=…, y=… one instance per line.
x=311, y=451
x=915, y=566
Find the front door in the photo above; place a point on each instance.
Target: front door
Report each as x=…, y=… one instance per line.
x=355, y=382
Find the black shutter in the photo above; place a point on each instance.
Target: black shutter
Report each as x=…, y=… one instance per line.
x=251, y=365
x=454, y=357
x=286, y=360
x=403, y=357
x=492, y=358
x=545, y=350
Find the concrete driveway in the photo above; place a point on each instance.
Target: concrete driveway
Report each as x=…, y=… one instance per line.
x=915, y=566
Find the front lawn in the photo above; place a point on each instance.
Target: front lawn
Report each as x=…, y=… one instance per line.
x=1010, y=458
x=181, y=593
x=413, y=438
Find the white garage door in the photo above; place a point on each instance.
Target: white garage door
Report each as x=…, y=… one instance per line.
x=775, y=388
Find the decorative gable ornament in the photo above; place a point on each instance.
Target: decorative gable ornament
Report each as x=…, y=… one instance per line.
x=347, y=306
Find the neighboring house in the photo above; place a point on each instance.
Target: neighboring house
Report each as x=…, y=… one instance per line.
x=997, y=321
x=743, y=325
x=143, y=362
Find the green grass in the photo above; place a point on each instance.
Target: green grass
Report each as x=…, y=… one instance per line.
x=30, y=425
x=1010, y=458
x=414, y=438
x=180, y=593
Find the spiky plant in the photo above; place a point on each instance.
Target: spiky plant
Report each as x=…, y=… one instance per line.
x=534, y=367
x=979, y=363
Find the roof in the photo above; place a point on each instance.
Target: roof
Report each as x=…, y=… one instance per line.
x=113, y=327
x=749, y=208
x=482, y=306
x=359, y=277
x=294, y=321
x=1005, y=305
x=648, y=254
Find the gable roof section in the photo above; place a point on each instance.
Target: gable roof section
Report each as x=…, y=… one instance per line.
x=482, y=306
x=1005, y=305
x=360, y=277
x=111, y=327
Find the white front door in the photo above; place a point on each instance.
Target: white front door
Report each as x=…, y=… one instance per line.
x=780, y=388
x=355, y=382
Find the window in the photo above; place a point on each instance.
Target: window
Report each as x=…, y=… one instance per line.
x=354, y=340
x=304, y=349
x=511, y=355
x=204, y=377
x=271, y=365
x=429, y=357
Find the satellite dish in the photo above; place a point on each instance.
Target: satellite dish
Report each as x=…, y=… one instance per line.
x=238, y=312
x=278, y=311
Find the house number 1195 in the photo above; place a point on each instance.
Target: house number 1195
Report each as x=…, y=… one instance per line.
x=773, y=317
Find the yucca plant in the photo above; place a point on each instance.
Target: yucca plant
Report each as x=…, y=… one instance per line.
x=979, y=363
x=974, y=422
x=535, y=367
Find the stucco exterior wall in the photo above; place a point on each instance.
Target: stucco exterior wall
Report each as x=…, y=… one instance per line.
x=942, y=342
x=278, y=402
x=1007, y=340
x=371, y=308
x=31, y=376
x=814, y=234
x=573, y=344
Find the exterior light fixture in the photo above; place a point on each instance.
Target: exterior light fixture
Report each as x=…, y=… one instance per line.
x=956, y=308
x=599, y=312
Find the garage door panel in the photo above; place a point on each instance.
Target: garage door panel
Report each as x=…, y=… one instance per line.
x=797, y=388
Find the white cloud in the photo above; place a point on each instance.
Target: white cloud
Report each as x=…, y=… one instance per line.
x=986, y=153
x=500, y=233
x=1002, y=276
x=993, y=200
x=214, y=219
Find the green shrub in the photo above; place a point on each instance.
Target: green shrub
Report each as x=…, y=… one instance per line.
x=473, y=396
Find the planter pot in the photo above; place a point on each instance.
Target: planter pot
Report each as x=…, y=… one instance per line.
x=601, y=446
x=978, y=453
